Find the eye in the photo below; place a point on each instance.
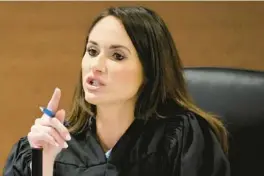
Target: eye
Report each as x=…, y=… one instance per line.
x=118, y=56
x=92, y=52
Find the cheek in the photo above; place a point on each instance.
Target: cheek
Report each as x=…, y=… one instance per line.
x=130, y=78
x=85, y=65
x=85, y=69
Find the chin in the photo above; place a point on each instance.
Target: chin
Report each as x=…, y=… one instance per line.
x=92, y=99
x=96, y=99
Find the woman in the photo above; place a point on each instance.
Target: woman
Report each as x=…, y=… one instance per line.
x=131, y=114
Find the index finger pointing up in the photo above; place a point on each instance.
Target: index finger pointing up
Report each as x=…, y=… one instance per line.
x=55, y=100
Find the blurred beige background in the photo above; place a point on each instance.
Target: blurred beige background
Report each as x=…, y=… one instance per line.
x=41, y=45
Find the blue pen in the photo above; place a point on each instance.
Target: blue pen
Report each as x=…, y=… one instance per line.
x=47, y=112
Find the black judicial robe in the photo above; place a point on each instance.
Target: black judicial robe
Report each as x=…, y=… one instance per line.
x=181, y=145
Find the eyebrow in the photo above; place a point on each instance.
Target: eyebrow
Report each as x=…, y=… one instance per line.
x=115, y=46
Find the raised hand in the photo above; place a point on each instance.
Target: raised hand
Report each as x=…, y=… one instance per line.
x=50, y=133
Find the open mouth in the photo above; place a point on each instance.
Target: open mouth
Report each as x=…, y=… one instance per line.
x=94, y=82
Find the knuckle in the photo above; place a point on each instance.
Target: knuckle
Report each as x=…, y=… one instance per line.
x=44, y=119
x=37, y=121
x=46, y=136
x=54, y=120
x=50, y=130
x=32, y=138
x=32, y=128
x=35, y=128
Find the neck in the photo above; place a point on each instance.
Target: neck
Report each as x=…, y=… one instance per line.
x=112, y=121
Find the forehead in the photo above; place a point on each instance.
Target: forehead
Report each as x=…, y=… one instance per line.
x=110, y=30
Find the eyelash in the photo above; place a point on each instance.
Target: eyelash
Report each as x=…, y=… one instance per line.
x=116, y=55
x=89, y=50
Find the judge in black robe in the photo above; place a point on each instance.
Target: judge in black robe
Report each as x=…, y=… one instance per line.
x=184, y=142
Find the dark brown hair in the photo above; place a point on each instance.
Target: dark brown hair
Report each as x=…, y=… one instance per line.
x=163, y=72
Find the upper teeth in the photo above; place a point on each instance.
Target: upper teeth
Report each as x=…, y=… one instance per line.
x=95, y=83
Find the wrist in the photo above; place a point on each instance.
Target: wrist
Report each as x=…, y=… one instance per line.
x=48, y=164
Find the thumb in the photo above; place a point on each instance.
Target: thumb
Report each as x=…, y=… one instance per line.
x=60, y=115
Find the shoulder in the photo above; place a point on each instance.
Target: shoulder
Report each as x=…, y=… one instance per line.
x=186, y=129
x=185, y=122
x=189, y=142
x=19, y=158
x=22, y=145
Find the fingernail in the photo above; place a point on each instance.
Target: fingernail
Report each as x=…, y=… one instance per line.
x=68, y=137
x=65, y=145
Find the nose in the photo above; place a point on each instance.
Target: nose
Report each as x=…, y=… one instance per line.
x=98, y=64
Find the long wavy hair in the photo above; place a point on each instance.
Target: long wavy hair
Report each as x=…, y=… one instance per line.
x=163, y=82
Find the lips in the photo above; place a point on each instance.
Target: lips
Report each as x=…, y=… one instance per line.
x=94, y=83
